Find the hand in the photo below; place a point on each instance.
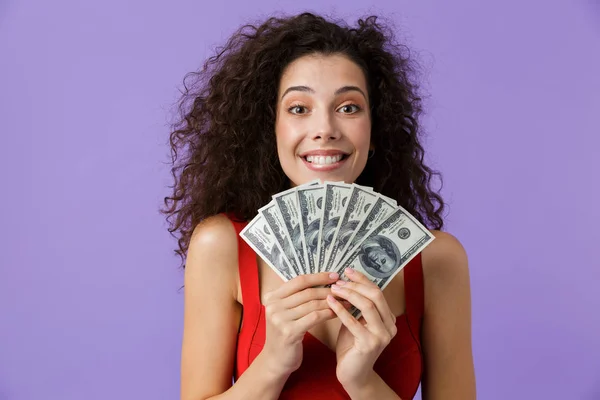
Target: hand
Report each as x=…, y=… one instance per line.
x=290, y=311
x=360, y=342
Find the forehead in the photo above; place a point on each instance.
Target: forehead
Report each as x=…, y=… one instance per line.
x=323, y=72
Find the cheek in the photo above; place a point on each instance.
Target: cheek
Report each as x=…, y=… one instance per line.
x=287, y=139
x=362, y=142
x=286, y=136
x=360, y=134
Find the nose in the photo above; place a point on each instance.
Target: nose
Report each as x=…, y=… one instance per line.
x=324, y=128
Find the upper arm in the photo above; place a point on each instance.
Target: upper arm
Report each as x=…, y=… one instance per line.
x=211, y=311
x=449, y=370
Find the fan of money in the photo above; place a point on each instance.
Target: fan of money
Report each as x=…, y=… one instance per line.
x=326, y=227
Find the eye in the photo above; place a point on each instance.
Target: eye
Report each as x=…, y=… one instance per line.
x=297, y=109
x=349, y=109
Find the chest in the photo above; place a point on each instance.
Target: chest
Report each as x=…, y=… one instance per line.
x=400, y=364
x=327, y=332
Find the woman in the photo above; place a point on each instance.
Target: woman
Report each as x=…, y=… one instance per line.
x=253, y=121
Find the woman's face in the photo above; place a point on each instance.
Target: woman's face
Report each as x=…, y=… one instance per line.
x=323, y=124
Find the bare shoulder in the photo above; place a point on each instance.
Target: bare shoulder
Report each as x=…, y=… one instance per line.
x=449, y=372
x=214, y=231
x=212, y=252
x=445, y=263
x=211, y=310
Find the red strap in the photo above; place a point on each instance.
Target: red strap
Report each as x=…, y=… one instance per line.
x=249, y=284
x=248, y=269
x=413, y=288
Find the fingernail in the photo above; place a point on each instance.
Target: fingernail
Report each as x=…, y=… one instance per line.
x=334, y=275
x=335, y=288
x=341, y=283
x=330, y=298
x=349, y=271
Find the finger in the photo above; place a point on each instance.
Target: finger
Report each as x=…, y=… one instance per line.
x=310, y=306
x=368, y=309
x=389, y=318
x=304, y=309
x=303, y=282
x=305, y=296
x=357, y=276
x=357, y=329
x=313, y=319
x=373, y=293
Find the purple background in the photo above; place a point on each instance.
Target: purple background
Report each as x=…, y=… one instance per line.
x=89, y=300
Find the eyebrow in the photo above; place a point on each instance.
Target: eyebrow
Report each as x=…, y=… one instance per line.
x=306, y=89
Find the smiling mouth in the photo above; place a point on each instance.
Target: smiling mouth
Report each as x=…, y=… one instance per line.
x=325, y=160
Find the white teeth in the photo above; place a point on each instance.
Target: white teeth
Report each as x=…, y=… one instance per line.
x=321, y=160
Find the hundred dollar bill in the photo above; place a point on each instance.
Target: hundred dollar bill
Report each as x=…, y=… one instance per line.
x=380, y=210
x=288, y=209
x=310, y=203
x=271, y=214
x=359, y=204
x=335, y=200
x=258, y=235
x=387, y=248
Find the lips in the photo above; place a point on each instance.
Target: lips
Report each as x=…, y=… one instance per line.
x=324, y=156
x=325, y=159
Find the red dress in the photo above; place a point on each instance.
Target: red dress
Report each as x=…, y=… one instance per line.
x=399, y=365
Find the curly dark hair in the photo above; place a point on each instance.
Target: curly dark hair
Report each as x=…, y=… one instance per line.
x=223, y=148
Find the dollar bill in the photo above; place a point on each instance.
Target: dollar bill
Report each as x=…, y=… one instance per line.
x=271, y=214
x=359, y=204
x=380, y=210
x=310, y=204
x=258, y=235
x=329, y=226
x=335, y=201
x=288, y=209
x=387, y=248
